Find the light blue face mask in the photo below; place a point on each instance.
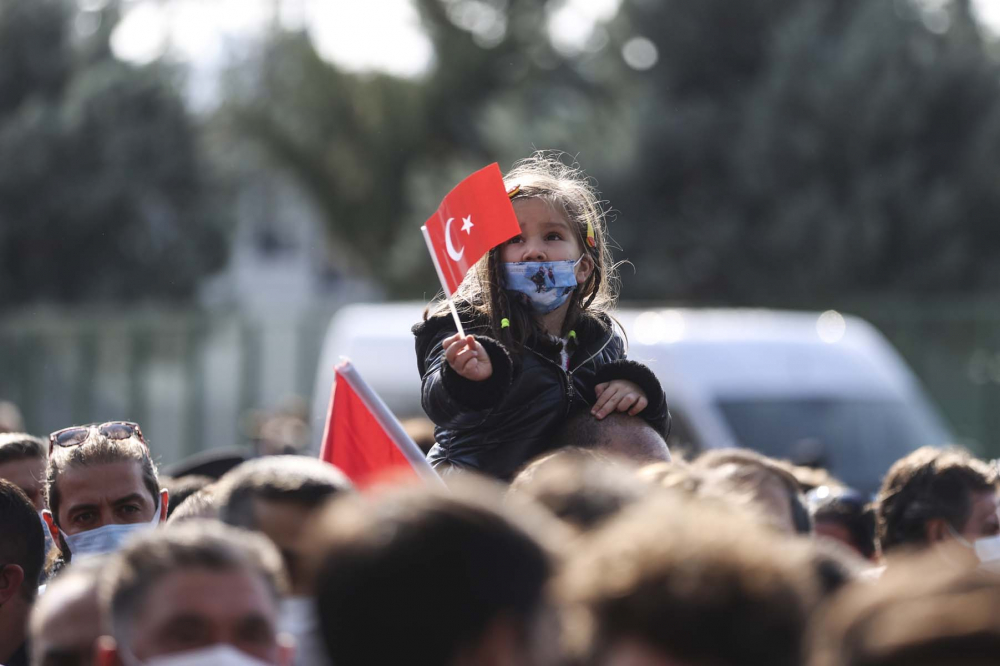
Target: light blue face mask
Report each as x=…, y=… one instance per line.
x=541, y=285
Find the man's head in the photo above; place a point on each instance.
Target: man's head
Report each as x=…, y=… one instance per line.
x=917, y=614
x=580, y=487
x=844, y=515
x=22, y=462
x=276, y=496
x=619, y=435
x=66, y=620
x=936, y=495
x=675, y=581
x=194, y=587
x=183, y=487
x=97, y=484
x=459, y=582
x=772, y=487
x=22, y=551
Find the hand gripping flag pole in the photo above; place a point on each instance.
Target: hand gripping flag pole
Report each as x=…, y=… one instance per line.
x=474, y=218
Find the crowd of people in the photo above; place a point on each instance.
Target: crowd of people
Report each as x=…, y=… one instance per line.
x=605, y=551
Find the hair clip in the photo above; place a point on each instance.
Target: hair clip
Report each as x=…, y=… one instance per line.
x=512, y=192
x=572, y=335
x=591, y=240
x=505, y=323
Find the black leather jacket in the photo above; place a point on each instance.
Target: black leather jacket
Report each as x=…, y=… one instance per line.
x=497, y=425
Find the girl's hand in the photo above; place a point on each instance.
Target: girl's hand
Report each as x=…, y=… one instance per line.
x=618, y=395
x=467, y=357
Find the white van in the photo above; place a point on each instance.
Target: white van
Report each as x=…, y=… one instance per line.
x=821, y=389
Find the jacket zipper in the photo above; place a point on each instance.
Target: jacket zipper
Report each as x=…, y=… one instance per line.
x=567, y=375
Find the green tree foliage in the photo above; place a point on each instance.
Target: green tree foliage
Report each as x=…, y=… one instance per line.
x=849, y=149
x=778, y=152
x=377, y=152
x=103, y=193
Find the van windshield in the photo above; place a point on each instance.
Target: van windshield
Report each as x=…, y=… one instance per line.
x=856, y=440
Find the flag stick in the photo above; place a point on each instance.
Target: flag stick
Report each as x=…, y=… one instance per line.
x=444, y=285
x=388, y=421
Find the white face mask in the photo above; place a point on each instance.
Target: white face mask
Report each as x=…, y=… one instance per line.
x=987, y=550
x=107, y=538
x=219, y=654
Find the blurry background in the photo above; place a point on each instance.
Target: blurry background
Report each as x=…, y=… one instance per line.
x=189, y=189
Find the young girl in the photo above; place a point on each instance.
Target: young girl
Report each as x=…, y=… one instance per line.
x=539, y=343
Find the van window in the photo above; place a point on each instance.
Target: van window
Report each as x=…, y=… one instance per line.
x=856, y=440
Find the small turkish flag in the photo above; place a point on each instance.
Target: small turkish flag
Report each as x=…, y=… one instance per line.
x=474, y=218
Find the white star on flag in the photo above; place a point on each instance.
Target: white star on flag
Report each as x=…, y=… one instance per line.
x=467, y=225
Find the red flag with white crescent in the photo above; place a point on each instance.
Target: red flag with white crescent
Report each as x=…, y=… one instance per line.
x=474, y=218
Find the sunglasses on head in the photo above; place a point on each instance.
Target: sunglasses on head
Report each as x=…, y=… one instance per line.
x=77, y=435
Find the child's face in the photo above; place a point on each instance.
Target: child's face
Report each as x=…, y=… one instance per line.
x=546, y=235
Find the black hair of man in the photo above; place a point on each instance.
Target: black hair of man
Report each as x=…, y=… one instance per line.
x=581, y=487
x=927, y=484
x=850, y=510
x=439, y=570
x=16, y=446
x=297, y=479
x=22, y=542
x=182, y=487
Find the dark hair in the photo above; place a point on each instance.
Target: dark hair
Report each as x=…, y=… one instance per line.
x=298, y=479
x=927, y=484
x=98, y=450
x=20, y=446
x=21, y=539
x=203, y=504
x=542, y=176
x=580, y=487
x=148, y=557
x=692, y=582
x=182, y=487
x=917, y=614
x=747, y=458
x=437, y=569
x=849, y=509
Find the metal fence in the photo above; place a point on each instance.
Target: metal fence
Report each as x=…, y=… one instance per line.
x=187, y=376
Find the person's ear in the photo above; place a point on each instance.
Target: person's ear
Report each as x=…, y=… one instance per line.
x=585, y=268
x=936, y=530
x=11, y=577
x=164, y=504
x=106, y=652
x=286, y=649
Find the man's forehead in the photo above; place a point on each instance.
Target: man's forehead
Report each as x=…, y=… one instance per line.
x=93, y=483
x=213, y=594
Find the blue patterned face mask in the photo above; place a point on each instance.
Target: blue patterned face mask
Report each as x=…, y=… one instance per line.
x=541, y=285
